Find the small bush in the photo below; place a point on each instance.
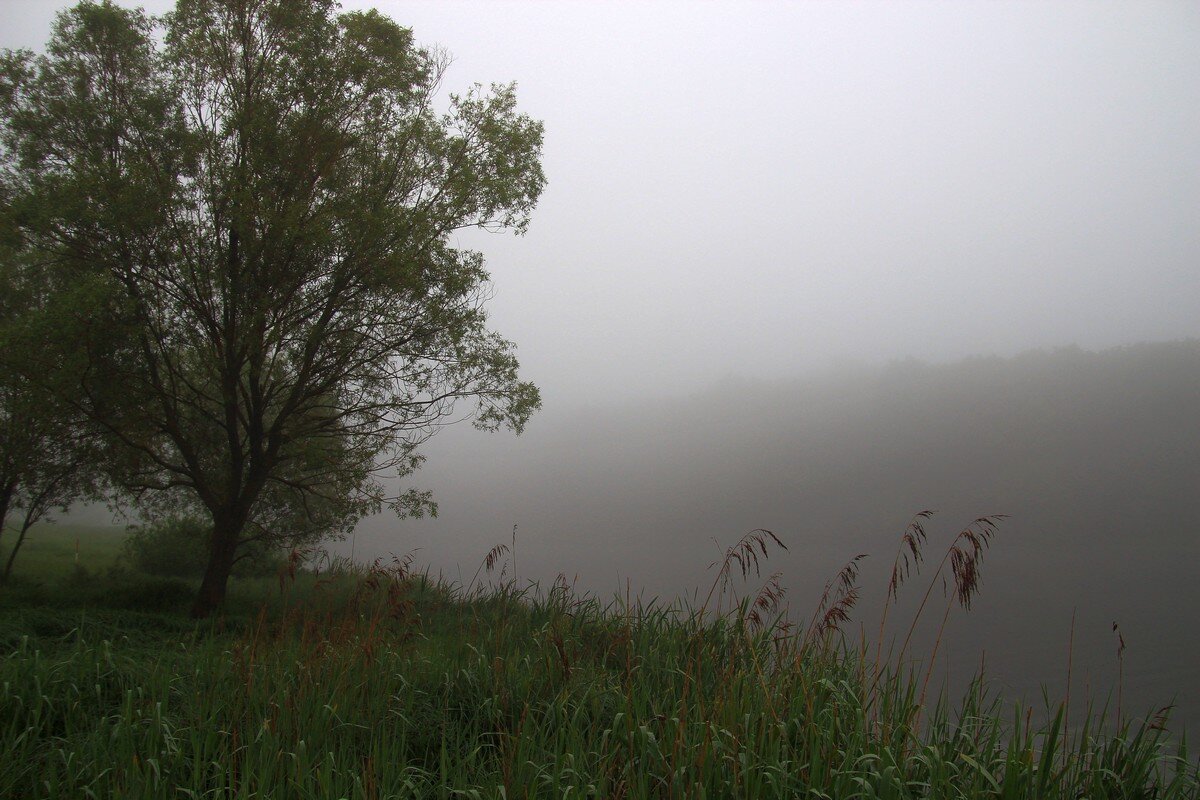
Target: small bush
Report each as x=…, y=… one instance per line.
x=177, y=547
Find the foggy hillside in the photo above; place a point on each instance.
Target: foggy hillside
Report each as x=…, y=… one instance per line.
x=1095, y=457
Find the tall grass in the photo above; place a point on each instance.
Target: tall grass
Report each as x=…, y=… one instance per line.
x=381, y=682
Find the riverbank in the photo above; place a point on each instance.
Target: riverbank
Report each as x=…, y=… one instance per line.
x=383, y=682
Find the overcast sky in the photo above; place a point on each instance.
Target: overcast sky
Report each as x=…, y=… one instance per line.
x=751, y=189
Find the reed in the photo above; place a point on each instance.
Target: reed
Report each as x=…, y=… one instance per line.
x=384, y=681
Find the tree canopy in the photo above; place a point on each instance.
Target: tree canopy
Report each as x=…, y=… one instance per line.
x=46, y=456
x=244, y=211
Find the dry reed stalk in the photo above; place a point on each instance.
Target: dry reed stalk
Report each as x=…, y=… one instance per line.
x=745, y=553
x=1120, y=669
x=937, y=643
x=1158, y=721
x=513, y=551
x=843, y=588
x=1067, y=702
x=766, y=603
x=489, y=563
x=908, y=561
x=287, y=570
x=764, y=608
x=963, y=556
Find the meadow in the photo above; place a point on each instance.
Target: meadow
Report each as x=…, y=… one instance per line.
x=333, y=680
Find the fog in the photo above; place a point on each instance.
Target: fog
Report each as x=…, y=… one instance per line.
x=752, y=189
x=1095, y=457
x=772, y=234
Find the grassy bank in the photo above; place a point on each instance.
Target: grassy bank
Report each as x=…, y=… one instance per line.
x=50, y=551
x=382, y=683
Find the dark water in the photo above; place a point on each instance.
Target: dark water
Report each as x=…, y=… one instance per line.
x=1094, y=457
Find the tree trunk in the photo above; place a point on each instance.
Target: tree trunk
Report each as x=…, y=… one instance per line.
x=5, y=502
x=13, y=555
x=220, y=564
x=5, y=499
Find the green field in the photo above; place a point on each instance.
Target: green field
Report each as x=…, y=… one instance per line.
x=383, y=683
x=49, y=551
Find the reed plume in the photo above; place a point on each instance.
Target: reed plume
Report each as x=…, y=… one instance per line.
x=908, y=561
x=837, y=600
x=766, y=603
x=964, y=556
x=489, y=562
x=745, y=555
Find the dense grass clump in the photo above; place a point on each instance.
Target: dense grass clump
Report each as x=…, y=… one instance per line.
x=383, y=683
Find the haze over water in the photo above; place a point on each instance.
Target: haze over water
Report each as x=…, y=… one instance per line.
x=1095, y=457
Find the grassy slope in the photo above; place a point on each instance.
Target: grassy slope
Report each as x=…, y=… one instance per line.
x=379, y=684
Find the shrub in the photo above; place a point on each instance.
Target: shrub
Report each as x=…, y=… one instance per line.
x=177, y=547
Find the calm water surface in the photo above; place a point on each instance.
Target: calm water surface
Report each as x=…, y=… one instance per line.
x=1096, y=460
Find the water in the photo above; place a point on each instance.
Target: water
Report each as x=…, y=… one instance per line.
x=1095, y=458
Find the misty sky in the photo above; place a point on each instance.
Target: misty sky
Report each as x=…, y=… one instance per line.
x=757, y=188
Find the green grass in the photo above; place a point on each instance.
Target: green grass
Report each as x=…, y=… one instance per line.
x=49, y=550
x=47, y=574
x=380, y=683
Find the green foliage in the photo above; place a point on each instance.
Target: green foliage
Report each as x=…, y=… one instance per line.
x=68, y=566
x=384, y=683
x=46, y=454
x=177, y=547
x=242, y=216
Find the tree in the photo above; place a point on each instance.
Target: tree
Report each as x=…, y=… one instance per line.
x=248, y=222
x=45, y=456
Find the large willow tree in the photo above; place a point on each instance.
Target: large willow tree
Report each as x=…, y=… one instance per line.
x=244, y=210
